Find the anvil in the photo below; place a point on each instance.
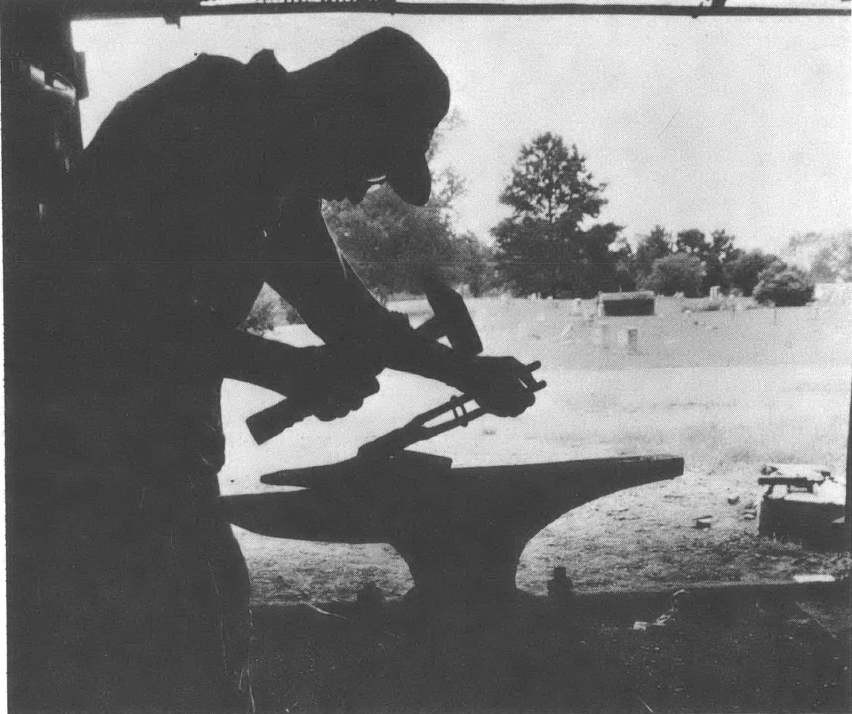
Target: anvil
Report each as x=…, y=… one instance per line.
x=461, y=531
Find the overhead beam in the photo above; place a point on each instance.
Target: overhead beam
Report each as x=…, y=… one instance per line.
x=174, y=9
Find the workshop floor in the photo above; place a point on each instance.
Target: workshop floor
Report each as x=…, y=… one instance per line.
x=753, y=657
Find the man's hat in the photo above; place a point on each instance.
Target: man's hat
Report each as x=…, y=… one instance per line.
x=407, y=94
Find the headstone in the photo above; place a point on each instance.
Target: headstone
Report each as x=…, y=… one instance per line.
x=602, y=335
x=629, y=338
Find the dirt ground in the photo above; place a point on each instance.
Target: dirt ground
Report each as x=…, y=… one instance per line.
x=750, y=656
x=727, y=390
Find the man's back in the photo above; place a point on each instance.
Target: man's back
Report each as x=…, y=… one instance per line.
x=166, y=212
x=179, y=166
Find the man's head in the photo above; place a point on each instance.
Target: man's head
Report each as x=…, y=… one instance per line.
x=379, y=100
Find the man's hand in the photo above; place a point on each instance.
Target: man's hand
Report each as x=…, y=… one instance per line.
x=333, y=386
x=496, y=384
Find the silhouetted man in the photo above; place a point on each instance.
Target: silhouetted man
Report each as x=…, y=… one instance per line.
x=195, y=191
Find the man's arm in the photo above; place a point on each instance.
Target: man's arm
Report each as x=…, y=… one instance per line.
x=307, y=270
x=311, y=274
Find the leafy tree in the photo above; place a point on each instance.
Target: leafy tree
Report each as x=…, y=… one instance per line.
x=720, y=252
x=679, y=272
x=269, y=311
x=393, y=243
x=784, y=286
x=543, y=247
x=475, y=265
x=745, y=270
x=625, y=272
x=693, y=242
x=601, y=251
x=550, y=181
x=714, y=254
x=657, y=244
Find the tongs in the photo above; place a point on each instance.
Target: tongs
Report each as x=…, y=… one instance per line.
x=464, y=410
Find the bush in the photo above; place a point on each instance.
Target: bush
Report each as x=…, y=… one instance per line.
x=745, y=271
x=789, y=287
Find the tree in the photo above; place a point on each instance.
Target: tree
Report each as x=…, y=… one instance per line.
x=543, y=247
x=625, y=273
x=269, y=311
x=788, y=286
x=720, y=252
x=475, y=266
x=679, y=272
x=657, y=244
x=693, y=242
x=714, y=254
x=393, y=243
x=744, y=271
x=600, y=253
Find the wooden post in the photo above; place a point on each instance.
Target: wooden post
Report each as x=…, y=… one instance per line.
x=848, y=515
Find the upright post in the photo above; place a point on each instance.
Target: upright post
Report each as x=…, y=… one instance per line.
x=849, y=472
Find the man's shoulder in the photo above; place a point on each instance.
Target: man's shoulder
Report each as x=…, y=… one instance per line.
x=212, y=93
x=204, y=74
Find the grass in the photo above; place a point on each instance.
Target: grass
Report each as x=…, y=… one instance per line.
x=726, y=390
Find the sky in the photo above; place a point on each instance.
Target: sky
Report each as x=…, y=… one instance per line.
x=742, y=124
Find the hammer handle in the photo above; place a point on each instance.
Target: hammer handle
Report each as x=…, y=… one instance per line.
x=273, y=420
x=270, y=422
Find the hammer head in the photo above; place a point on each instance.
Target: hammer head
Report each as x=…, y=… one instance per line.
x=452, y=316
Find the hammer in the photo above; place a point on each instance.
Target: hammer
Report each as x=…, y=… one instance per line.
x=450, y=319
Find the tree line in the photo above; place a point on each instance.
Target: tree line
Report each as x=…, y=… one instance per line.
x=551, y=246
x=692, y=263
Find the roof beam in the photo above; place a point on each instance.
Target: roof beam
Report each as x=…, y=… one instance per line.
x=101, y=9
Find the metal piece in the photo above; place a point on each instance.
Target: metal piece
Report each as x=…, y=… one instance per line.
x=803, y=476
